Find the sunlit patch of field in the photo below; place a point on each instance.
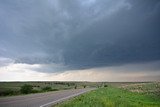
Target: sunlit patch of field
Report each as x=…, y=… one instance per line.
x=152, y=88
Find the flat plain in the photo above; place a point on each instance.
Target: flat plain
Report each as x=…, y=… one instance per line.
x=105, y=94
x=14, y=88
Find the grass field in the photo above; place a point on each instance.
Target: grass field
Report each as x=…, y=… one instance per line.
x=119, y=95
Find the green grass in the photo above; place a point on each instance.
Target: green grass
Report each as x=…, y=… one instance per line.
x=112, y=97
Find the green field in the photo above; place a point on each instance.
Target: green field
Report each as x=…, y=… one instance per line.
x=119, y=95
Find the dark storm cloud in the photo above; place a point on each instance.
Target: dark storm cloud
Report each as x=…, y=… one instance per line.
x=80, y=34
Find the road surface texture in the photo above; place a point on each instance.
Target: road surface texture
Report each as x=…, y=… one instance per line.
x=41, y=99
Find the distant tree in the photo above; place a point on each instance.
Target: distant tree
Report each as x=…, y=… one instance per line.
x=68, y=84
x=75, y=87
x=105, y=85
x=84, y=86
x=26, y=89
x=47, y=88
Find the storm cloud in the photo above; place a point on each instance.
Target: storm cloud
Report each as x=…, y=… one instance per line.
x=79, y=34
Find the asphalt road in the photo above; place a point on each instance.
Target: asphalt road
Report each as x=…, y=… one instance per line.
x=41, y=99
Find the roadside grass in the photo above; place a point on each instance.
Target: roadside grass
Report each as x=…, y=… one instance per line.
x=112, y=97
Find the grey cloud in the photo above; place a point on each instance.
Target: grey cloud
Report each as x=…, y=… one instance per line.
x=5, y=61
x=130, y=36
x=80, y=34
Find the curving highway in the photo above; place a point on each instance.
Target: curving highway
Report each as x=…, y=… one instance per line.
x=41, y=99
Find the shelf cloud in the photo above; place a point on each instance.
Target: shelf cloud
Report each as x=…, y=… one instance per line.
x=75, y=35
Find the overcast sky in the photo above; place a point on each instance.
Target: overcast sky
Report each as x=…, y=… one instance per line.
x=80, y=40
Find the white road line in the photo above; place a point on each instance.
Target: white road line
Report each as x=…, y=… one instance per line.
x=62, y=99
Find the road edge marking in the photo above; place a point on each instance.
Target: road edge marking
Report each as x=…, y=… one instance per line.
x=62, y=99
